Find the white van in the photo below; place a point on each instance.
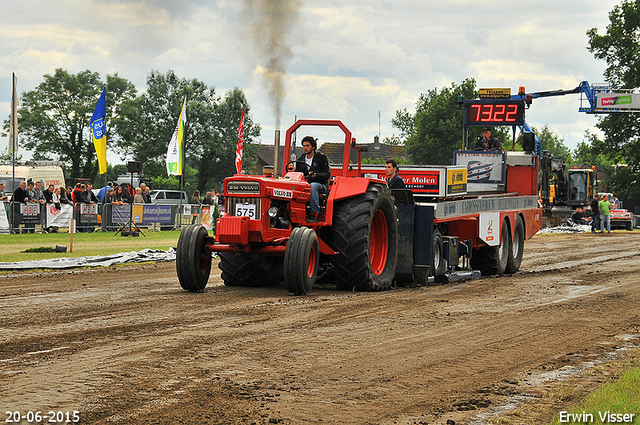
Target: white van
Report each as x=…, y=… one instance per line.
x=168, y=197
x=49, y=172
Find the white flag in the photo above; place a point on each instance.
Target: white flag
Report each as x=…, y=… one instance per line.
x=174, y=153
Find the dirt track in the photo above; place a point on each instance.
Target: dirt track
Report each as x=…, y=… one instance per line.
x=127, y=345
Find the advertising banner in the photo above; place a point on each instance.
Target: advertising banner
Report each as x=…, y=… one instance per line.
x=490, y=228
x=142, y=214
x=152, y=214
x=618, y=101
x=206, y=218
x=482, y=167
x=120, y=214
x=4, y=221
x=88, y=213
x=30, y=213
x=59, y=217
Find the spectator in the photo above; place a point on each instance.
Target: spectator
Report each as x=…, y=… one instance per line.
x=579, y=216
x=615, y=202
x=101, y=196
x=89, y=195
x=70, y=194
x=195, y=211
x=207, y=199
x=37, y=197
x=30, y=188
x=605, y=215
x=55, y=198
x=595, y=213
x=127, y=193
x=138, y=198
x=215, y=199
x=20, y=196
x=48, y=194
x=108, y=198
x=64, y=197
x=119, y=197
x=145, y=194
x=195, y=199
x=56, y=201
x=78, y=194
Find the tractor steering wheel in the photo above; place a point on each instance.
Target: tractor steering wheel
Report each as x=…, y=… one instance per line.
x=299, y=162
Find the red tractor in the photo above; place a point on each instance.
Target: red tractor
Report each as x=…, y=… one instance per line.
x=267, y=237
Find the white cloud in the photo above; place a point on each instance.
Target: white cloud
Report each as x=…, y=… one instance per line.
x=349, y=60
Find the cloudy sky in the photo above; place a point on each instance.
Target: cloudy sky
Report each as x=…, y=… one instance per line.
x=357, y=61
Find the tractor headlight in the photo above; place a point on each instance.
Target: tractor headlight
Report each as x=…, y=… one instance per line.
x=273, y=212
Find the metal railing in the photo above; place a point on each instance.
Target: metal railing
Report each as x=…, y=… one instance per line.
x=32, y=217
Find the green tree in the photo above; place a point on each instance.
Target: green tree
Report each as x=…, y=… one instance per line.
x=435, y=130
x=585, y=153
x=219, y=152
x=144, y=127
x=553, y=142
x=620, y=48
x=54, y=117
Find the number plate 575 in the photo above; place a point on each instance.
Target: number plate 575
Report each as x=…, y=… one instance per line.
x=246, y=210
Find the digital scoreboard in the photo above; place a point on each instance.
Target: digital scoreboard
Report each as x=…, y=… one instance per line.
x=494, y=112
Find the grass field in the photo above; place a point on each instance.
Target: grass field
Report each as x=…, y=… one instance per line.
x=618, y=398
x=84, y=244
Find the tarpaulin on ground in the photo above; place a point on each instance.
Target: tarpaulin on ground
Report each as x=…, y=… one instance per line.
x=568, y=228
x=94, y=261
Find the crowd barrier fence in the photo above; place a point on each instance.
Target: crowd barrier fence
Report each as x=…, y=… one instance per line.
x=46, y=218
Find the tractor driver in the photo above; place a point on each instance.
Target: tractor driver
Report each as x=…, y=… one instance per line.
x=316, y=170
x=486, y=142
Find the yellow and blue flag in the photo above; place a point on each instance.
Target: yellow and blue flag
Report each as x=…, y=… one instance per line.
x=99, y=131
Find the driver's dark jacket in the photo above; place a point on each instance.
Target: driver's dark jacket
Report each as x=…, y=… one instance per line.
x=319, y=164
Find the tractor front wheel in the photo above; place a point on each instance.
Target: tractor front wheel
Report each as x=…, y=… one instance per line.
x=193, y=260
x=301, y=261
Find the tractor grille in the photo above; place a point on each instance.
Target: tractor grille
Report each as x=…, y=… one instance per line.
x=234, y=203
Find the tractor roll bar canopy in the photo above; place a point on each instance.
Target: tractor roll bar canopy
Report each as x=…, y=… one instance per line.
x=318, y=123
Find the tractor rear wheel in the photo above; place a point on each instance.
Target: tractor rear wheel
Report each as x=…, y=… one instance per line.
x=193, y=260
x=301, y=261
x=249, y=270
x=492, y=260
x=517, y=248
x=365, y=234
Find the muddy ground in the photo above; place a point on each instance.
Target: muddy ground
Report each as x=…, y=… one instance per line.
x=127, y=345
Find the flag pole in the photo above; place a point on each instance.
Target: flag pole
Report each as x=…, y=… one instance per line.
x=14, y=146
x=184, y=166
x=104, y=195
